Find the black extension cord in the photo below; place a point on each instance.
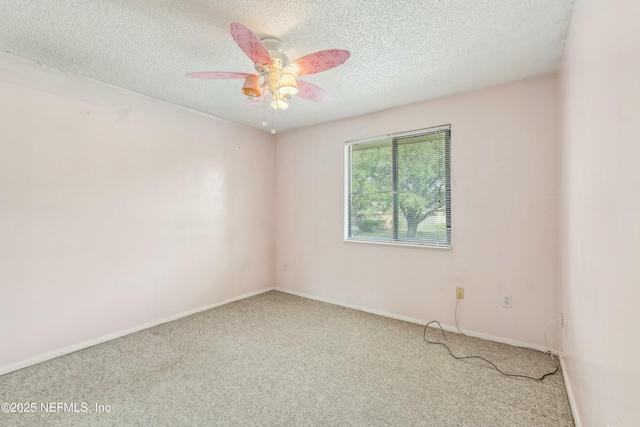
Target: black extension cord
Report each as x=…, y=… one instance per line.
x=424, y=335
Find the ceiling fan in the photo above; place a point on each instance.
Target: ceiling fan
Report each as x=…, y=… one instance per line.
x=279, y=75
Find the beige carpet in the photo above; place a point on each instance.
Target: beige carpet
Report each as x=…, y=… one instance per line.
x=280, y=360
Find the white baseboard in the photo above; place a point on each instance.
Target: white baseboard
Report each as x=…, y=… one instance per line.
x=419, y=321
x=95, y=341
x=570, y=395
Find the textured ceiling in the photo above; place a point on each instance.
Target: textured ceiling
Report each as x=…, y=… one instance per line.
x=402, y=51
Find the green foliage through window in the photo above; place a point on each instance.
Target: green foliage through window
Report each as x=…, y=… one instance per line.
x=399, y=189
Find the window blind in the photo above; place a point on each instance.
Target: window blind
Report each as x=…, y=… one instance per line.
x=399, y=188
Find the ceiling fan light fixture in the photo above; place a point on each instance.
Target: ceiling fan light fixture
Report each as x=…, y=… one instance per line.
x=271, y=80
x=251, y=86
x=278, y=102
x=278, y=73
x=288, y=86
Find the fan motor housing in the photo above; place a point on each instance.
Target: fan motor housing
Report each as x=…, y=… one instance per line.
x=273, y=72
x=276, y=50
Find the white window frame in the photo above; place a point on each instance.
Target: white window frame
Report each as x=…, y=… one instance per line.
x=347, y=189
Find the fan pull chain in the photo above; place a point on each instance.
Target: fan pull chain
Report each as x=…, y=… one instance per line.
x=264, y=108
x=273, y=123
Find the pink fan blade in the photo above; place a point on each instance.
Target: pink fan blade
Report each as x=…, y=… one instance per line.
x=312, y=92
x=214, y=75
x=258, y=100
x=319, y=61
x=250, y=44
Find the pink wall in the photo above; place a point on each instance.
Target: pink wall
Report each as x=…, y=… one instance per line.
x=505, y=146
x=117, y=210
x=601, y=211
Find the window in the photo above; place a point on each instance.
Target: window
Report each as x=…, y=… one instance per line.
x=398, y=188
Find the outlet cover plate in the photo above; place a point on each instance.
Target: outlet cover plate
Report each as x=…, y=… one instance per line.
x=506, y=301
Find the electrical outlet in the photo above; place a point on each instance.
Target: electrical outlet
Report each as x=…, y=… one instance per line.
x=506, y=301
x=459, y=293
x=284, y=267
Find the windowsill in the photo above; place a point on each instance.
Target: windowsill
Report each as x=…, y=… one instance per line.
x=411, y=245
